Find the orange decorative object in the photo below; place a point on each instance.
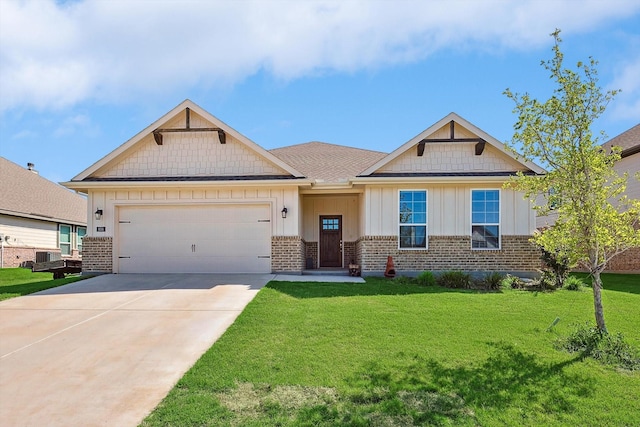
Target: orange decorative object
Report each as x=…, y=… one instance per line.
x=390, y=270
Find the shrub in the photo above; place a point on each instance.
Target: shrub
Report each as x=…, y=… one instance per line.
x=455, y=280
x=426, y=278
x=607, y=348
x=557, y=267
x=513, y=282
x=546, y=281
x=492, y=281
x=573, y=283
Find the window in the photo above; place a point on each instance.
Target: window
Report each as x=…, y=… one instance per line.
x=81, y=231
x=485, y=219
x=65, y=239
x=412, y=219
x=330, y=224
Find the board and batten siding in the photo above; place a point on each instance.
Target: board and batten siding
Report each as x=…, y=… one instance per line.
x=277, y=198
x=27, y=232
x=448, y=210
x=313, y=206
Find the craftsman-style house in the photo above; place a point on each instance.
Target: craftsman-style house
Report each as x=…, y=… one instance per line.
x=191, y=194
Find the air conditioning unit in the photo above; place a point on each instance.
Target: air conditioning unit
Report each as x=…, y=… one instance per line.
x=48, y=256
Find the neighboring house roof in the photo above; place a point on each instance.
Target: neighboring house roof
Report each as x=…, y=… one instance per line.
x=325, y=162
x=26, y=194
x=629, y=141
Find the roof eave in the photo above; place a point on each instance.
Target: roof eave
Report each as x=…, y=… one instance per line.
x=429, y=179
x=85, y=186
x=42, y=217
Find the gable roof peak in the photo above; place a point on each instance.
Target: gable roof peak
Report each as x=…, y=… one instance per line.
x=453, y=118
x=187, y=103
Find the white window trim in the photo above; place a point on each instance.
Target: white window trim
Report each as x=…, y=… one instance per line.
x=426, y=224
x=499, y=223
x=60, y=242
x=77, y=237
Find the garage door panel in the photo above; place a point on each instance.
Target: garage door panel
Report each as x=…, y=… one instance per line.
x=214, y=238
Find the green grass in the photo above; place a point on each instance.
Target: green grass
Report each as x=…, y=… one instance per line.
x=15, y=282
x=383, y=354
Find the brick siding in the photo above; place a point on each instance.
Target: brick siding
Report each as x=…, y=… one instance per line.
x=448, y=253
x=97, y=254
x=16, y=256
x=349, y=253
x=311, y=250
x=627, y=261
x=287, y=254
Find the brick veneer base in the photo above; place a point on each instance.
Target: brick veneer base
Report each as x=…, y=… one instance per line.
x=448, y=253
x=287, y=254
x=17, y=256
x=629, y=260
x=348, y=251
x=311, y=250
x=97, y=254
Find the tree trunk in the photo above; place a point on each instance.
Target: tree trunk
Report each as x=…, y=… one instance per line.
x=596, y=283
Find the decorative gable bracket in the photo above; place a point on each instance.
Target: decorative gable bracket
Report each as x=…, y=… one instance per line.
x=157, y=134
x=480, y=143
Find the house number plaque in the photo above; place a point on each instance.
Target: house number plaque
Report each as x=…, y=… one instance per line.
x=101, y=229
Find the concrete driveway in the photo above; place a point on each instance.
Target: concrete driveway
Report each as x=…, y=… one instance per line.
x=105, y=351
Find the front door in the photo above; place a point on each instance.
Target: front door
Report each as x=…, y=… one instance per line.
x=331, y=241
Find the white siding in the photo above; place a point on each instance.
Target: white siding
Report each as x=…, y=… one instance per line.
x=345, y=205
x=452, y=157
x=448, y=210
x=26, y=232
x=191, y=154
x=630, y=165
x=276, y=198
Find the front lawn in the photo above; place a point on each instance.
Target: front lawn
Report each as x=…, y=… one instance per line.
x=383, y=354
x=15, y=282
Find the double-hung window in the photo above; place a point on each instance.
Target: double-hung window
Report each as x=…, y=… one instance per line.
x=80, y=232
x=485, y=219
x=412, y=219
x=65, y=239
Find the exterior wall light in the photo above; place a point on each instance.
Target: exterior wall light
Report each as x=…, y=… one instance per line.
x=98, y=214
x=284, y=212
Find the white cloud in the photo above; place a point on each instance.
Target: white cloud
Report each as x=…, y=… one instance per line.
x=55, y=55
x=74, y=124
x=24, y=134
x=627, y=102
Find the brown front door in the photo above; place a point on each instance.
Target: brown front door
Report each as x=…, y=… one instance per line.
x=331, y=241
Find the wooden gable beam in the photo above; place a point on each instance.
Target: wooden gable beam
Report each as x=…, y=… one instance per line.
x=157, y=134
x=480, y=143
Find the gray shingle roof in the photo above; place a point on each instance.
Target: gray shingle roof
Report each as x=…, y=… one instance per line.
x=327, y=162
x=625, y=140
x=25, y=193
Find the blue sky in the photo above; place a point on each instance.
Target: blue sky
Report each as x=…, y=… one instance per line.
x=79, y=78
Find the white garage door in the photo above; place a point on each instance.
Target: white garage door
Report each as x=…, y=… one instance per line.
x=194, y=239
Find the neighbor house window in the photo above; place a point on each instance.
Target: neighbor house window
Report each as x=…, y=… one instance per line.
x=485, y=219
x=65, y=239
x=81, y=231
x=413, y=219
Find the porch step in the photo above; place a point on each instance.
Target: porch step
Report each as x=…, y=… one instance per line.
x=326, y=272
